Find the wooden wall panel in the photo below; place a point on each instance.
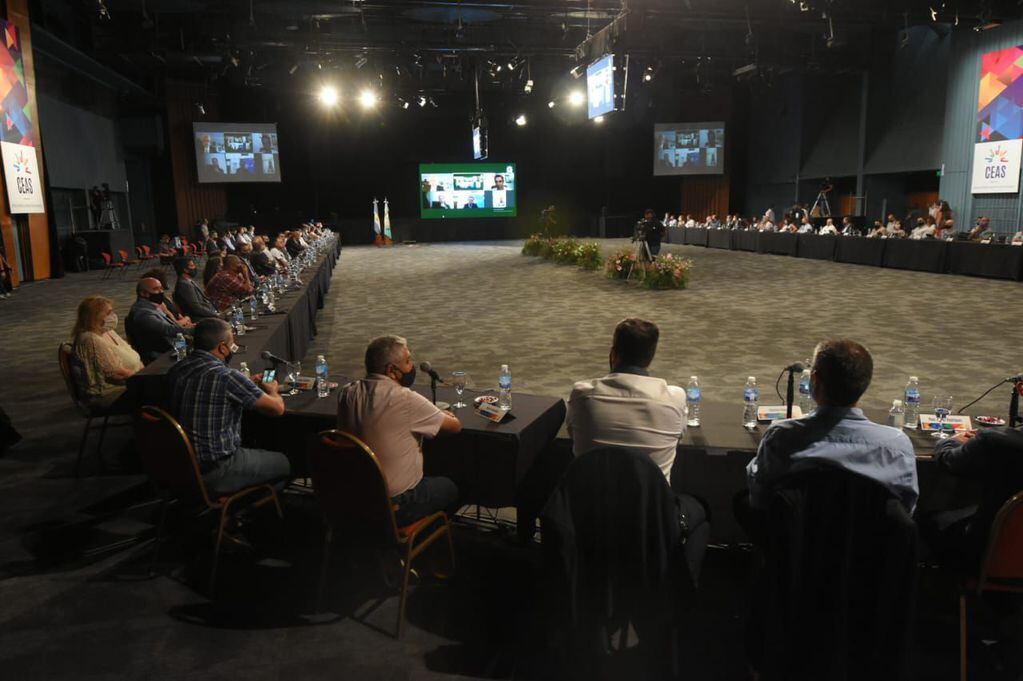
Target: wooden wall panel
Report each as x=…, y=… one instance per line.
x=703, y=195
x=192, y=200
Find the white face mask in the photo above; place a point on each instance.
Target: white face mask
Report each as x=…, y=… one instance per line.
x=234, y=349
x=110, y=321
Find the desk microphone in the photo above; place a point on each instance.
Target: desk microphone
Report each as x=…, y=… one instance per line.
x=1014, y=379
x=270, y=357
x=793, y=369
x=797, y=367
x=428, y=369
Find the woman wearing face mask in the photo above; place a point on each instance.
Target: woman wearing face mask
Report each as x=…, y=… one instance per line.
x=107, y=358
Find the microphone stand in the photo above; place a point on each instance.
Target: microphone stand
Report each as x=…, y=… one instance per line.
x=433, y=389
x=1014, y=408
x=788, y=395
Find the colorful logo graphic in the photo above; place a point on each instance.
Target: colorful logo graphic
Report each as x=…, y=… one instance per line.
x=997, y=155
x=21, y=163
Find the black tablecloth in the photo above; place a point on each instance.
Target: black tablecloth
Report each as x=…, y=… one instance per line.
x=999, y=261
x=924, y=255
x=696, y=236
x=778, y=243
x=719, y=238
x=491, y=463
x=286, y=333
x=674, y=235
x=860, y=250
x=817, y=247
x=745, y=240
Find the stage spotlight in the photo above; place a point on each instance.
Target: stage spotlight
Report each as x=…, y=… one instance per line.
x=291, y=71
x=577, y=71
x=520, y=120
x=200, y=108
x=551, y=104
x=576, y=98
x=422, y=101
x=648, y=75
x=598, y=120
x=528, y=87
x=329, y=96
x=368, y=99
x=934, y=14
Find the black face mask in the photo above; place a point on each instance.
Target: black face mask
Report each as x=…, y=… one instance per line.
x=408, y=379
x=156, y=298
x=191, y=271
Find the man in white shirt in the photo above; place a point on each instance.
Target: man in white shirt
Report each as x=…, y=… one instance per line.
x=279, y=253
x=243, y=236
x=806, y=227
x=383, y=412
x=829, y=228
x=923, y=230
x=632, y=410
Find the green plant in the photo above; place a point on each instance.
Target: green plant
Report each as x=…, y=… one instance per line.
x=588, y=256
x=533, y=244
x=546, y=249
x=667, y=272
x=620, y=264
x=564, y=251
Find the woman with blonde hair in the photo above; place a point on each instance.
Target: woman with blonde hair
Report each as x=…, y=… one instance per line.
x=107, y=358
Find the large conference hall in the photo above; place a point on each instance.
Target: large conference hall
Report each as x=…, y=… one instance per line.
x=429, y=340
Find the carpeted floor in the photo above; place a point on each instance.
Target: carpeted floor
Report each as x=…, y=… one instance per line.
x=79, y=605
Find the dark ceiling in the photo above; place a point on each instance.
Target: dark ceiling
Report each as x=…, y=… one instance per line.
x=431, y=46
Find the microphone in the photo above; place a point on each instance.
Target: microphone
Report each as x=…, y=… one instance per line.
x=270, y=357
x=428, y=369
x=1014, y=379
x=797, y=367
x=793, y=369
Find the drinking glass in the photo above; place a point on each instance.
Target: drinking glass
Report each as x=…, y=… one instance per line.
x=458, y=381
x=942, y=408
x=294, y=372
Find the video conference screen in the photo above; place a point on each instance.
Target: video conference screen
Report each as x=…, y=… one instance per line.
x=467, y=190
x=689, y=148
x=600, y=86
x=237, y=152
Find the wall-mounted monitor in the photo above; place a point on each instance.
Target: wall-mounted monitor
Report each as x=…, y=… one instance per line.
x=600, y=86
x=467, y=190
x=689, y=148
x=236, y=152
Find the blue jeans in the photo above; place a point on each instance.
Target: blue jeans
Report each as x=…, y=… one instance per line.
x=247, y=467
x=429, y=496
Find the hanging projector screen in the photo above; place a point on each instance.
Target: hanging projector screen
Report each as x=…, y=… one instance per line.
x=600, y=87
x=689, y=148
x=467, y=190
x=236, y=152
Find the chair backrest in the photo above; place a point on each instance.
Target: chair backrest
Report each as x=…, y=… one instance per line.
x=74, y=374
x=124, y=254
x=107, y=258
x=140, y=252
x=1003, y=563
x=168, y=456
x=351, y=490
x=839, y=579
x=145, y=249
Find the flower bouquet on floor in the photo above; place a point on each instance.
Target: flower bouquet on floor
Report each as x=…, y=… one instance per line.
x=621, y=264
x=563, y=251
x=588, y=257
x=534, y=244
x=667, y=271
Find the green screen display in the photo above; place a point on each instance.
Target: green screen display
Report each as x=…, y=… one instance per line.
x=467, y=190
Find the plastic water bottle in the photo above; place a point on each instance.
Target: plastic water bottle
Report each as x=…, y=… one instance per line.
x=244, y=369
x=750, y=396
x=322, y=372
x=897, y=415
x=912, y=402
x=254, y=307
x=180, y=347
x=504, y=384
x=693, y=397
x=239, y=322
x=805, y=398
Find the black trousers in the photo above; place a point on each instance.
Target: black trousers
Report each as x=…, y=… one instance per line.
x=699, y=533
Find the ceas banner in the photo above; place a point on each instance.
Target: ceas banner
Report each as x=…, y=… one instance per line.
x=996, y=167
x=24, y=188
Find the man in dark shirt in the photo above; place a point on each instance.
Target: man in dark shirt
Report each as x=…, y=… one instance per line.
x=994, y=456
x=150, y=328
x=651, y=230
x=260, y=260
x=208, y=398
x=188, y=294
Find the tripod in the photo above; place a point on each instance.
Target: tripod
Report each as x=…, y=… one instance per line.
x=108, y=216
x=821, y=208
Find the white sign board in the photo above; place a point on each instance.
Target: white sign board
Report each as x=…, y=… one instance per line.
x=24, y=188
x=996, y=167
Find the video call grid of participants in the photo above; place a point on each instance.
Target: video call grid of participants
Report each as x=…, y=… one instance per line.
x=688, y=148
x=468, y=190
x=237, y=155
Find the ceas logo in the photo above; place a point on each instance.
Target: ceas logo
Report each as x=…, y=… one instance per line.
x=21, y=163
x=997, y=163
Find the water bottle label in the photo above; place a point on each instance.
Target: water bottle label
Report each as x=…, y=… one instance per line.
x=693, y=394
x=505, y=383
x=751, y=394
x=913, y=397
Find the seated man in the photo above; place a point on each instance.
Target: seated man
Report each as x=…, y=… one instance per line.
x=208, y=398
x=229, y=284
x=279, y=253
x=829, y=228
x=994, y=456
x=632, y=410
x=149, y=327
x=848, y=228
x=982, y=230
x=188, y=294
x=261, y=260
x=384, y=413
x=836, y=434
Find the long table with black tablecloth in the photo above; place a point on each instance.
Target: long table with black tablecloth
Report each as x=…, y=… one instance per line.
x=493, y=464
x=997, y=261
x=286, y=333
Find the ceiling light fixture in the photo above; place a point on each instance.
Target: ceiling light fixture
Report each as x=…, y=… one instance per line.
x=368, y=99
x=576, y=98
x=520, y=120
x=329, y=96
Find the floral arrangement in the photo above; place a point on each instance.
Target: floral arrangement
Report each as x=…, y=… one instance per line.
x=534, y=244
x=667, y=271
x=546, y=250
x=564, y=251
x=619, y=265
x=588, y=257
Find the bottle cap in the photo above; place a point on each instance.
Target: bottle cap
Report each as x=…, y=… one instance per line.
x=321, y=358
x=751, y=378
x=693, y=378
x=504, y=368
x=913, y=378
x=896, y=403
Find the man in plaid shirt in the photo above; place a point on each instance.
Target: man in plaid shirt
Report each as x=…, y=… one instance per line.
x=208, y=398
x=229, y=284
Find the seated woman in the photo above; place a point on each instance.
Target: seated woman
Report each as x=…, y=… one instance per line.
x=107, y=358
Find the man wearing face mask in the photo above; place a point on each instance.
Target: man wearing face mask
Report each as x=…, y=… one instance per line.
x=229, y=284
x=151, y=331
x=384, y=413
x=208, y=398
x=188, y=294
